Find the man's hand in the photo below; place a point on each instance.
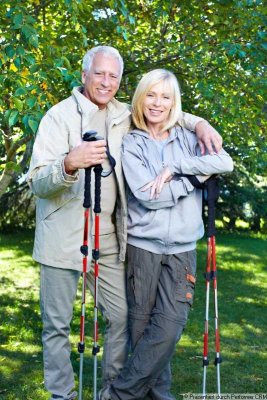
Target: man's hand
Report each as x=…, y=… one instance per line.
x=156, y=185
x=85, y=155
x=208, y=138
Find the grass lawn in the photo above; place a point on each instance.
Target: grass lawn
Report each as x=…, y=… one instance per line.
x=242, y=265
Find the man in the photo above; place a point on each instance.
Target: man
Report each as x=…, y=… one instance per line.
x=56, y=177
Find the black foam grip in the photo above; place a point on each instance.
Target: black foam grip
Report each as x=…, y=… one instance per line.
x=213, y=190
x=213, y=193
x=90, y=136
x=87, y=188
x=211, y=231
x=97, y=170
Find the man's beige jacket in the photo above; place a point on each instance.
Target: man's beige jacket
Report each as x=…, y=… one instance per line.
x=59, y=208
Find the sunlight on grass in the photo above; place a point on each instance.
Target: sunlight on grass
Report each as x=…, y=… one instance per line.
x=249, y=300
x=233, y=330
x=247, y=263
x=186, y=341
x=241, y=293
x=235, y=252
x=258, y=280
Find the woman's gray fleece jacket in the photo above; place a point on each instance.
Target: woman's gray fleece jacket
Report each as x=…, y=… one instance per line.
x=173, y=222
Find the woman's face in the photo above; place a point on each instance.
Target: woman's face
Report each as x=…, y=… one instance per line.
x=157, y=104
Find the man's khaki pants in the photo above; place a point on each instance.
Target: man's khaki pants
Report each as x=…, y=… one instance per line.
x=57, y=294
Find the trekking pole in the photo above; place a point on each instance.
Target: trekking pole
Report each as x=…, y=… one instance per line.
x=206, y=330
x=211, y=273
x=97, y=210
x=88, y=137
x=98, y=170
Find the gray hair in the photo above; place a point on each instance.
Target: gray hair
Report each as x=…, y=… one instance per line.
x=106, y=50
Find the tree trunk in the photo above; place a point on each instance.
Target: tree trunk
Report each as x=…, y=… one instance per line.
x=256, y=224
x=7, y=178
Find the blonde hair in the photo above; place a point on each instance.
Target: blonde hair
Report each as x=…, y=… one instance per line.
x=148, y=80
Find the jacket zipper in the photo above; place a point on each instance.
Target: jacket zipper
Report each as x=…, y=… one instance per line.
x=167, y=244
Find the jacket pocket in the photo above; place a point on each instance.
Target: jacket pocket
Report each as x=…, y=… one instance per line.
x=46, y=207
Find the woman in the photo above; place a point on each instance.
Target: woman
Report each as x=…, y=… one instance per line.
x=164, y=224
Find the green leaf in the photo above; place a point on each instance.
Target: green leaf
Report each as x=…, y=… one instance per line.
x=34, y=68
x=30, y=20
x=232, y=51
x=124, y=12
x=10, y=51
x=74, y=83
x=17, y=62
x=262, y=34
x=20, y=51
x=242, y=54
x=18, y=103
x=13, y=117
x=33, y=40
x=131, y=20
x=31, y=101
x=43, y=97
x=12, y=166
x=66, y=62
x=7, y=114
x=28, y=31
x=30, y=59
x=58, y=62
x=33, y=124
x=20, y=91
x=18, y=21
x=25, y=120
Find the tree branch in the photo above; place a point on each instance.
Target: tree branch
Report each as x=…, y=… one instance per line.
x=16, y=145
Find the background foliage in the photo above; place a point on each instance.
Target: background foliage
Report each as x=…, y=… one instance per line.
x=216, y=48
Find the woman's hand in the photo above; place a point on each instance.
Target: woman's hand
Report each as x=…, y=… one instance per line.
x=156, y=185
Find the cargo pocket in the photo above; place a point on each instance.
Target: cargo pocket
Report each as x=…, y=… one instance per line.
x=186, y=278
x=138, y=280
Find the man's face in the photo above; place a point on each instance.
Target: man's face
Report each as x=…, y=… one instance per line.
x=102, y=82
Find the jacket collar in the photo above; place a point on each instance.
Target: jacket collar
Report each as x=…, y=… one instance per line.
x=84, y=105
x=175, y=132
x=117, y=111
